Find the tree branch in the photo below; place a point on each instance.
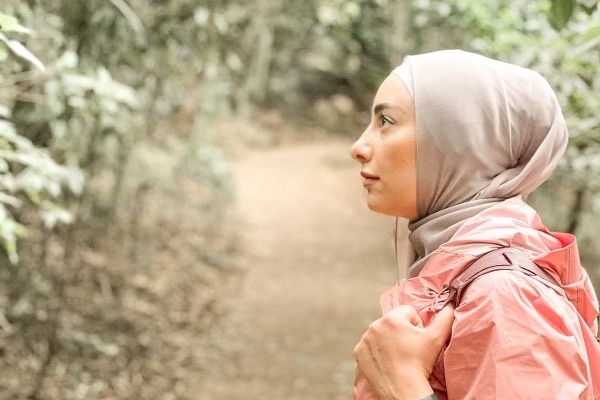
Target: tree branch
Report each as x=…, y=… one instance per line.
x=134, y=21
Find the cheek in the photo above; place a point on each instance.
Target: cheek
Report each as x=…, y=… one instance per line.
x=400, y=182
x=400, y=179
x=398, y=154
x=398, y=165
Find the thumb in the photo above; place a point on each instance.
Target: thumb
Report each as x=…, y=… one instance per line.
x=441, y=326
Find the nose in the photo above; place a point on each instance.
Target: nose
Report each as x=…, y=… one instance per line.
x=361, y=150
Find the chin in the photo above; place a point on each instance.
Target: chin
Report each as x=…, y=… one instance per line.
x=378, y=208
x=387, y=209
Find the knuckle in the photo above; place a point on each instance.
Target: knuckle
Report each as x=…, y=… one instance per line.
x=373, y=326
x=388, y=320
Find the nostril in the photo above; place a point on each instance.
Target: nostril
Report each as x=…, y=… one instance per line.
x=357, y=156
x=357, y=151
x=354, y=152
x=360, y=152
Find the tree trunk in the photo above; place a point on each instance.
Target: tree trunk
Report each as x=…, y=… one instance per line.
x=256, y=86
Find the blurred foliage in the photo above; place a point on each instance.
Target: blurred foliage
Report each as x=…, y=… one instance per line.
x=27, y=172
x=113, y=186
x=115, y=116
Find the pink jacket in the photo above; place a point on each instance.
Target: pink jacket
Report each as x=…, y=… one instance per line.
x=514, y=337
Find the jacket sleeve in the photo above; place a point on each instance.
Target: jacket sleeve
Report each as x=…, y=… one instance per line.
x=514, y=337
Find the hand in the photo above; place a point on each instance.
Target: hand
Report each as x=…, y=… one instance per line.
x=396, y=354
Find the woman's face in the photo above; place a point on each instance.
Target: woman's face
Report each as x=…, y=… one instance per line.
x=387, y=152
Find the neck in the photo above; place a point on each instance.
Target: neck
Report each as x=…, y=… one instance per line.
x=430, y=232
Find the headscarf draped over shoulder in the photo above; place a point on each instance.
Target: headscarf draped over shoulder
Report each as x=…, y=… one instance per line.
x=486, y=131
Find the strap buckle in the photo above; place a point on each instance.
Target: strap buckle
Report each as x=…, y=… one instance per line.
x=501, y=259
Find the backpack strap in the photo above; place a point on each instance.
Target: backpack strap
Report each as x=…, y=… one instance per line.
x=502, y=259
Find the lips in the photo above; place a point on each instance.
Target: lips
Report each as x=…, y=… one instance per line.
x=368, y=175
x=369, y=178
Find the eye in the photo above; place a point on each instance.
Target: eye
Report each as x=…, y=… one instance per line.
x=384, y=120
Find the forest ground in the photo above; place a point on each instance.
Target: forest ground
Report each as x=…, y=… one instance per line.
x=314, y=260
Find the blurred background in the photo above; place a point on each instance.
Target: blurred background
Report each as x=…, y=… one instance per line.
x=179, y=216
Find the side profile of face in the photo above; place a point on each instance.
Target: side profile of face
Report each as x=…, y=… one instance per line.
x=387, y=152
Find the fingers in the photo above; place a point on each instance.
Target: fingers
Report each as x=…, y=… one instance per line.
x=397, y=349
x=441, y=326
x=402, y=314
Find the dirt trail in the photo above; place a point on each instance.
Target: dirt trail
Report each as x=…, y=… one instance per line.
x=315, y=260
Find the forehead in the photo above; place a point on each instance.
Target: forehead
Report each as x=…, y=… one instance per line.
x=393, y=91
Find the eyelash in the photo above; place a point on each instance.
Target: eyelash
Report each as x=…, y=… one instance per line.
x=384, y=120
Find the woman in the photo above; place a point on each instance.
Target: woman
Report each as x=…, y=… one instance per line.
x=455, y=142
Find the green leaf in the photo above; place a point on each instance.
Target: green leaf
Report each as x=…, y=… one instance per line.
x=561, y=13
x=10, y=231
x=592, y=33
x=7, y=22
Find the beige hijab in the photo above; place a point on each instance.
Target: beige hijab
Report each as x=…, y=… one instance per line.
x=486, y=131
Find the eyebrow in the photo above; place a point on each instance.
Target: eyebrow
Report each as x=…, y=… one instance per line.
x=383, y=106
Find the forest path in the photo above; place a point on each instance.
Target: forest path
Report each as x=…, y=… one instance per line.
x=315, y=260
